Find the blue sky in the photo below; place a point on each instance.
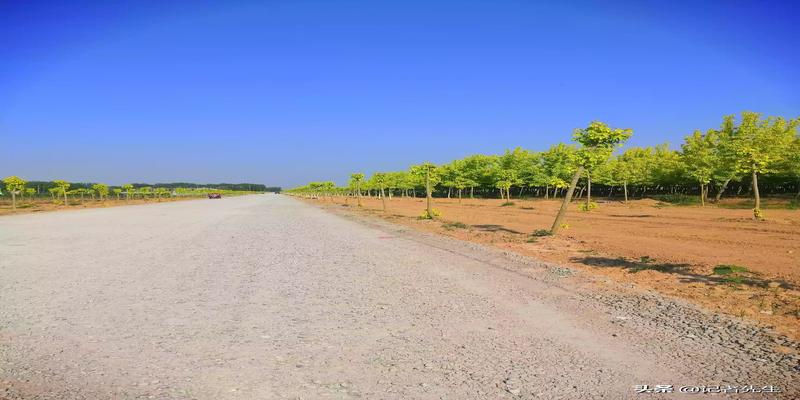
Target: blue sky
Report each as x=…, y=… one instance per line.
x=283, y=92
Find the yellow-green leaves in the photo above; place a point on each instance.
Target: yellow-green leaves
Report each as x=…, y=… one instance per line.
x=14, y=184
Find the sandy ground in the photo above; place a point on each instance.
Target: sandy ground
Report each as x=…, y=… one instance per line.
x=264, y=296
x=26, y=206
x=680, y=246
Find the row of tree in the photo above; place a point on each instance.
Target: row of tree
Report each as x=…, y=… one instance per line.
x=16, y=187
x=744, y=155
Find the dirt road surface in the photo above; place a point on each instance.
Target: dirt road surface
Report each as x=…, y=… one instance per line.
x=263, y=297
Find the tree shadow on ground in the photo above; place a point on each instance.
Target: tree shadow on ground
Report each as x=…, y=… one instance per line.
x=494, y=228
x=684, y=271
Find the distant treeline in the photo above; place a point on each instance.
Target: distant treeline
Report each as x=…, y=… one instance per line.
x=43, y=186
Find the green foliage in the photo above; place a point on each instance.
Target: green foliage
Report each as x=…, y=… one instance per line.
x=101, y=189
x=729, y=153
x=454, y=225
x=541, y=232
x=14, y=184
x=760, y=145
x=435, y=213
x=734, y=274
x=678, y=199
x=62, y=186
x=727, y=269
x=587, y=206
x=598, y=141
x=699, y=156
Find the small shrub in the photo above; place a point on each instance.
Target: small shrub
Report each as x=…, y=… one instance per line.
x=454, y=225
x=678, y=199
x=728, y=269
x=541, y=232
x=532, y=239
x=646, y=260
x=587, y=207
x=730, y=273
x=425, y=214
x=758, y=214
x=507, y=204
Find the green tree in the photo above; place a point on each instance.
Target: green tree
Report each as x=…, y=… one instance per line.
x=355, y=182
x=760, y=146
x=378, y=180
x=430, y=173
x=101, y=190
x=597, y=142
x=15, y=185
x=558, y=164
x=700, y=159
x=30, y=192
x=128, y=190
x=62, y=189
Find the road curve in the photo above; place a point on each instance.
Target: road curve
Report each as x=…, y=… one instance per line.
x=263, y=297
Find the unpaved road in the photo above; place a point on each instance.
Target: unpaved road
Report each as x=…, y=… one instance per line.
x=264, y=297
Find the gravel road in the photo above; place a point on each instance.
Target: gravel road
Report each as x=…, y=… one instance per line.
x=263, y=297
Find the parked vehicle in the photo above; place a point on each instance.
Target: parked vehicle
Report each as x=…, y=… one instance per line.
x=215, y=195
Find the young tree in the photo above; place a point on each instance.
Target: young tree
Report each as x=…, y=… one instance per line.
x=760, y=145
x=700, y=159
x=62, y=189
x=355, y=183
x=30, y=192
x=15, y=185
x=597, y=142
x=128, y=190
x=101, y=189
x=378, y=180
x=430, y=173
x=117, y=192
x=160, y=192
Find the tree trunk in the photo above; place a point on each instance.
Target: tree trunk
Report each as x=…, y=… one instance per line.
x=546, y=192
x=13, y=200
x=449, y=190
x=756, y=194
x=508, y=193
x=721, y=190
x=588, y=189
x=565, y=204
x=702, y=195
x=797, y=196
x=66, y=201
x=358, y=195
x=459, y=196
x=429, y=207
x=383, y=199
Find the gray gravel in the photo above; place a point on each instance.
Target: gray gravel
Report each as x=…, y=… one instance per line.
x=263, y=297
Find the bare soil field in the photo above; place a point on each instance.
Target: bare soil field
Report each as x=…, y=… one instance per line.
x=40, y=205
x=672, y=249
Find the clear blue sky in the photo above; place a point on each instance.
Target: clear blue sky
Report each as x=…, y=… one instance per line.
x=283, y=92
